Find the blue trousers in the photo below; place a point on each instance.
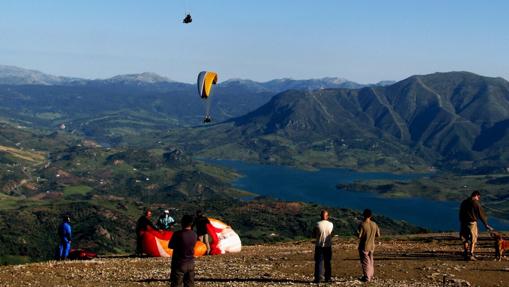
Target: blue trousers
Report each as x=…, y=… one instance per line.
x=323, y=254
x=63, y=249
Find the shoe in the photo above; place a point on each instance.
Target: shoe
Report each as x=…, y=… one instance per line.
x=363, y=279
x=472, y=258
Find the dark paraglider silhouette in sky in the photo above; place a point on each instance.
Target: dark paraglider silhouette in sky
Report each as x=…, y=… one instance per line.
x=187, y=19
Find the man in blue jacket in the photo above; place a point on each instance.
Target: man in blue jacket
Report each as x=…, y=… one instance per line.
x=65, y=236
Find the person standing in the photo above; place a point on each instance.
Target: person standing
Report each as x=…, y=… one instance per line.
x=182, y=261
x=65, y=238
x=201, y=222
x=470, y=212
x=141, y=226
x=323, y=247
x=165, y=221
x=367, y=232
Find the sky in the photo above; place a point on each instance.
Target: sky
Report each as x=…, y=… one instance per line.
x=360, y=40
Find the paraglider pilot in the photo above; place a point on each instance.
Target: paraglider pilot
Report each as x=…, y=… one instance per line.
x=207, y=119
x=141, y=226
x=165, y=221
x=187, y=19
x=201, y=221
x=65, y=236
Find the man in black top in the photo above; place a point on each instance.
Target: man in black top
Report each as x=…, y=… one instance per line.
x=201, y=222
x=470, y=212
x=182, y=261
x=141, y=226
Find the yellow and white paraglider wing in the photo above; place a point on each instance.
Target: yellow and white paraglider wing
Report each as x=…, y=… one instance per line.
x=205, y=82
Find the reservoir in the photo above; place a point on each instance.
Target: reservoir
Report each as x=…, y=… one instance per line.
x=287, y=183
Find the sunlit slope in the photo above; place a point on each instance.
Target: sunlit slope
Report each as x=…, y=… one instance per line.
x=30, y=156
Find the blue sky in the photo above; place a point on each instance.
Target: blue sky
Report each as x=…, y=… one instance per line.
x=361, y=40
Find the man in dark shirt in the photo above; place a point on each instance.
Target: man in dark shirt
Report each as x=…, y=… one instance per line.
x=182, y=261
x=470, y=212
x=201, y=222
x=141, y=226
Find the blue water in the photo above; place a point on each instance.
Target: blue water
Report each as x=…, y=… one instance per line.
x=293, y=184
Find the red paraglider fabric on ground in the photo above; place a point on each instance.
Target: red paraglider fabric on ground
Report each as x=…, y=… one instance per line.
x=155, y=243
x=81, y=254
x=214, y=240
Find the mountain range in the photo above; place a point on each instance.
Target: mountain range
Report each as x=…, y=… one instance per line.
x=455, y=118
x=11, y=75
x=103, y=107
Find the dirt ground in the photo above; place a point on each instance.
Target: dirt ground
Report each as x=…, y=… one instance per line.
x=420, y=260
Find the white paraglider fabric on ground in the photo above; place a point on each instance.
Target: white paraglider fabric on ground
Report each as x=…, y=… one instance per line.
x=228, y=239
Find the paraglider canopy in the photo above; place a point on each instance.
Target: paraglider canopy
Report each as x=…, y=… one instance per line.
x=205, y=81
x=223, y=240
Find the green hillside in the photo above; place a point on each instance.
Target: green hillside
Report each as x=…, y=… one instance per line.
x=106, y=189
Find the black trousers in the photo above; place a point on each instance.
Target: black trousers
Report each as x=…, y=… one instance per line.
x=139, y=247
x=323, y=254
x=182, y=275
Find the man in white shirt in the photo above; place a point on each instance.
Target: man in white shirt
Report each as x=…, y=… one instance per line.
x=323, y=247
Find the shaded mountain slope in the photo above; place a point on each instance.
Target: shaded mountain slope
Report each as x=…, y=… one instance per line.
x=447, y=112
x=326, y=128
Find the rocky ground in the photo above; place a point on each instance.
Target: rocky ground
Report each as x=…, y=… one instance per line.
x=420, y=260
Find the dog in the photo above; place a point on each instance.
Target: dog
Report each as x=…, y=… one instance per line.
x=501, y=245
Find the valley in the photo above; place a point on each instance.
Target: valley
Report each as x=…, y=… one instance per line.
x=111, y=148
x=106, y=189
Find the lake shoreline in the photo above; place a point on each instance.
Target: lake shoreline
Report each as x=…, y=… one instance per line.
x=292, y=184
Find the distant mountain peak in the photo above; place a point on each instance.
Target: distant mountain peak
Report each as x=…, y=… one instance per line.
x=334, y=80
x=145, y=77
x=12, y=75
x=239, y=81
